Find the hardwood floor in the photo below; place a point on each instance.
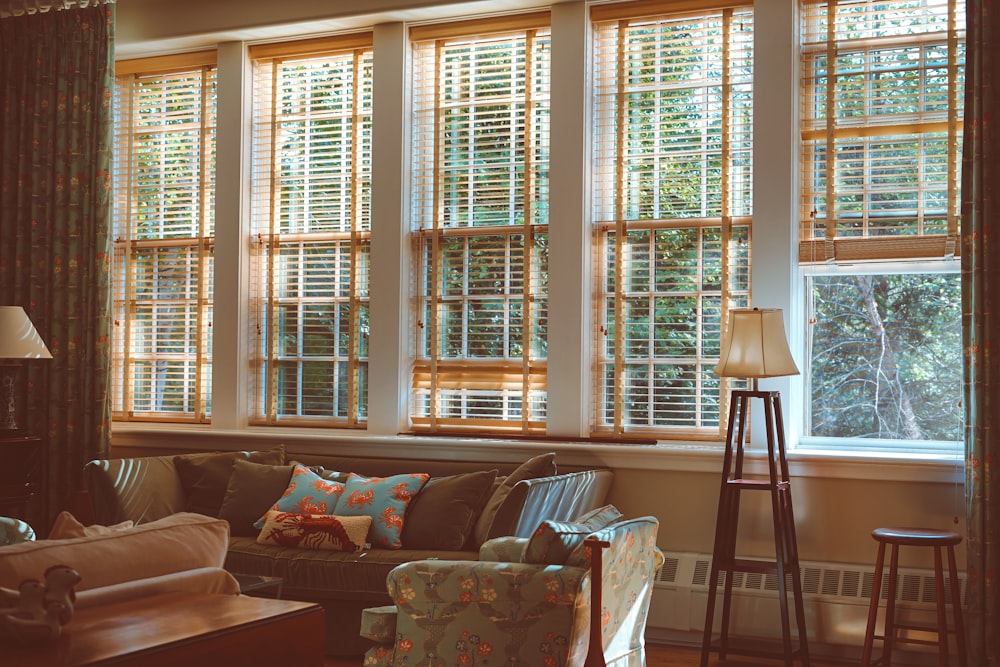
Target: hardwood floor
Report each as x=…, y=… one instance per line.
x=659, y=655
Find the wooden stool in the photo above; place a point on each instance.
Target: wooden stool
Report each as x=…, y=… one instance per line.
x=915, y=537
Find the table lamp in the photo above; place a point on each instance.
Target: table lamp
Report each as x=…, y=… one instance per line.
x=18, y=340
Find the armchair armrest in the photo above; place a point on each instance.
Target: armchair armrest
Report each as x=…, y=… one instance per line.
x=458, y=610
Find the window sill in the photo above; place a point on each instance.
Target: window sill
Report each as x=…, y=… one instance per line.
x=697, y=457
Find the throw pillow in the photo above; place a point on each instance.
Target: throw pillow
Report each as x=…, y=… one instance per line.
x=385, y=500
x=537, y=466
x=205, y=477
x=315, y=531
x=599, y=517
x=554, y=542
x=251, y=492
x=66, y=526
x=441, y=516
x=306, y=493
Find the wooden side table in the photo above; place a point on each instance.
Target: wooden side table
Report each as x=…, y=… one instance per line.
x=22, y=476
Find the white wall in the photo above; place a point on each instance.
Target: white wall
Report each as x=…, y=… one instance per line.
x=838, y=498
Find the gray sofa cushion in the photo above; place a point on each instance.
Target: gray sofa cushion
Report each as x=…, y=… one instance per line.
x=253, y=489
x=205, y=477
x=442, y=514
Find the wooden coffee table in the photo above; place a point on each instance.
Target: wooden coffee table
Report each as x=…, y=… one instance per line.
x=174, y=629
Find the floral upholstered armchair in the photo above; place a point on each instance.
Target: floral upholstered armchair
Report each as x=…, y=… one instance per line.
x=527, y=601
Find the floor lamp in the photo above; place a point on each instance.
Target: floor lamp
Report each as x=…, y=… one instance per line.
x=754, y=346
x=18, y=340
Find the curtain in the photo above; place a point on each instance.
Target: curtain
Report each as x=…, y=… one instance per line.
x=56, y=78
x=981, y=319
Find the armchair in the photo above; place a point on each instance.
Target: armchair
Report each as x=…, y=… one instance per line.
x=529, y=613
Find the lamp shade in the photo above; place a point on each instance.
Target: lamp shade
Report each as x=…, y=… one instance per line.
x=18, y=337
x=754, y=345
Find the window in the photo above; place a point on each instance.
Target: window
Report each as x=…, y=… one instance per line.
x=479, y=224
x=672, y=207
x=311, y=231
x=881, y=138
x=164, y=185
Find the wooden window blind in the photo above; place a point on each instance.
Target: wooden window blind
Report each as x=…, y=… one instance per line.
x=479, y=224
x=311, y=219
x=164, y=184
x=672, y=204
x=882, y=100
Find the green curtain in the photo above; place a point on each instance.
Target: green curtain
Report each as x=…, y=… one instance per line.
x=981, y=320
x=56, y=82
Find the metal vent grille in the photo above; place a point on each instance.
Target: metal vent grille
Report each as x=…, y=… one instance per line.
x=828, y=580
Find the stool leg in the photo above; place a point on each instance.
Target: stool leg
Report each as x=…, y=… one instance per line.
x=890, y=607
x=956, y=606
x=866, y=655
x=942, y=617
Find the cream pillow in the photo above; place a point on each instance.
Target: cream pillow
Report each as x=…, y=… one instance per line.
x=67, y=526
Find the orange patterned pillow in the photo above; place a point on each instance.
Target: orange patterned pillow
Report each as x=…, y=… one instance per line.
x=315, y=531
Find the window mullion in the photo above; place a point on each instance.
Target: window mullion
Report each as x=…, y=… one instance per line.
x=435, y=272
x=621, y=230
x=354, y=330
x=953, y=125
x=273, y=246
x=528, y=241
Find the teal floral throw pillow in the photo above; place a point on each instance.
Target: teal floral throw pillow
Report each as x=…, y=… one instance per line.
x=385, y=500
x=307, y=493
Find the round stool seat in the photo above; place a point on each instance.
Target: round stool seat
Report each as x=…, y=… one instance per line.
x=917, y=537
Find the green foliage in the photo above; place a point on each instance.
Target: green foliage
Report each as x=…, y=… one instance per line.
x=886, y=356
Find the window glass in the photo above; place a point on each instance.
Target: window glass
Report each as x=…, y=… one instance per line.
x=885, y=357
x=163, y=221
x=672, y=205
x=480, y=226
x=312, y=231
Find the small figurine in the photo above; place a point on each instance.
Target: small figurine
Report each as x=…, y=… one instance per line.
x=27, y=602
x=59, y=583
x=36, y=611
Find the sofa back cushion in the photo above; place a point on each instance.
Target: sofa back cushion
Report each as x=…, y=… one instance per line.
x=443, y=514
x=205, y=476
x=173, y=544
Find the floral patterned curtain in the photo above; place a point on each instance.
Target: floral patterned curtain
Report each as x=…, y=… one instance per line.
x=981, y=322
x=56, y=78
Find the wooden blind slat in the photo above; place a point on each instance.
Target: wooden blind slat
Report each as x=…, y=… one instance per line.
x=311, y=48
x=473, y=28
x=155, y=65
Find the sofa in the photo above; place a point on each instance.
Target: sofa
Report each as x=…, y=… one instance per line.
x=444, y=509
x=525, y=601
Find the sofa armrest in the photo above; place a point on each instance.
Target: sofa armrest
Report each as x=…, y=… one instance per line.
x=559, y=498
x=139, y=489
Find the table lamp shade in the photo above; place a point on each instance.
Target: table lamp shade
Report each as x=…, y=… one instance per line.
x=18, y=337
x=754, y=345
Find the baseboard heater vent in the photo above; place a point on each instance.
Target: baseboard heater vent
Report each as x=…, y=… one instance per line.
x=836, y=597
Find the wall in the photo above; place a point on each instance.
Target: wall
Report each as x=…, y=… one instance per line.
x=838, y=498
